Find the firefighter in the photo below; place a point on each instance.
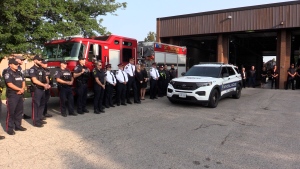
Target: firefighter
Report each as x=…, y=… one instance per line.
x=81, y=76
x=154, y=75
x=38, y=86
x=99, y=88
x=47, y=92
x=65, y=81
x=122, y=78
x=14, y=94
x=130, y=70
x=161, y=81
x=110, y=84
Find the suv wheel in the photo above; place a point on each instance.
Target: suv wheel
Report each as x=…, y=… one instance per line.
x=214, y=99
x=237, y=95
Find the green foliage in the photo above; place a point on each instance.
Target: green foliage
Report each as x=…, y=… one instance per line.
x=26, y=24
x=151, y=37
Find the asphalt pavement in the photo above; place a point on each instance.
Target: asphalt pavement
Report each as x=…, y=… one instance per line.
x=259, y=130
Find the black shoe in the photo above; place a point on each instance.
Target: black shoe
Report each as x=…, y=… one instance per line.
x=20, y=128
x=101, y=111
x=43, y=118
x=42, y=122
x=106, y=106
x=2, y=137
x=118, y=104
x=124, y=104
x=129, y=102
x=80, y=112
x=11, y=132
x=47, y=115
x=86, y=111
x=38, y=125
x=96, y=112
x=155, y=98
x=64, y=115
x=112, y=106
x=26, y=117
x=138, y=102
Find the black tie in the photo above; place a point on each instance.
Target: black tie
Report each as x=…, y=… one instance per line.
x=132, y=71
x=112, y=76
x=123, y=75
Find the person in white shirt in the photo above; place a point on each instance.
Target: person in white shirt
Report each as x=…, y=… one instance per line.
x=130, y=70
x=122, y=79
x=110, y=84
x=154, y=75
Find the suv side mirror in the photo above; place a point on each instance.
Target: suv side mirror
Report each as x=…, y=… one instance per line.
x=183, y=73
x=225, y=74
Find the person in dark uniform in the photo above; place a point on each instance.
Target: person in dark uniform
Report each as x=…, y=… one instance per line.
x=81, y=75
x=122, y=79
x=274, y=77
x=99, y=88
x=173, y=72
x=264, y=75
x=145, y=81
x=168, y=77
x=244, y=77
x=44, y=65
x=130, y=70
x=65, y=81
x=38, y=87
x=14, y=94
x=139, y=79
x=154, y=75
x=110, y=84
x=291, y=77
x=161, y=81
x=252, y=77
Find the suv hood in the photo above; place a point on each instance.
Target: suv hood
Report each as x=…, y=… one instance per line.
x=193, y=79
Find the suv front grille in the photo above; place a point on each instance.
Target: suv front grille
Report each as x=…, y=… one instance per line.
x=185, y=86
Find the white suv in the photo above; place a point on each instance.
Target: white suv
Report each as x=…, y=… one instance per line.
x=206, y=83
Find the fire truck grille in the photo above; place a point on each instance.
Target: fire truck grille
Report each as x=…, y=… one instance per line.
x=185, y=86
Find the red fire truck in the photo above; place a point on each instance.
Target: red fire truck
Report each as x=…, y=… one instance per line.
x=111, y=49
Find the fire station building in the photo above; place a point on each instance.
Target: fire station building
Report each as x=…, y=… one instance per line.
x=240, y=36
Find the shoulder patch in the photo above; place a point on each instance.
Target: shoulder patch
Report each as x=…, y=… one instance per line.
x=6, y=76
x=31, y=70
x=56, y=72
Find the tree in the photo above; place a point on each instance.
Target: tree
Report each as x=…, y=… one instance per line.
x=25, y=25
x=150, y=37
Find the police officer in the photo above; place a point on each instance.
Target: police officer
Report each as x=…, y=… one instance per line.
x=81, y=75
x=1, y=89
x=122, y=78
x=47, y=92
x=38, y=86
x=130, y=70
x=99, y=88
x=173, y=72
x=65, y=81
x=14, y=94
x=291, y=76
x=110, y=84
x=154, y=76
x=161, y=81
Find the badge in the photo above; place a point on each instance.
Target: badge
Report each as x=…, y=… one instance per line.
x=117, y=72
x=6, y=76
x=95, y=72
x=31, y=70
x=76, y=68
x=56, y=72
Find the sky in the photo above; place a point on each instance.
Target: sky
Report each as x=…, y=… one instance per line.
x=139, y=18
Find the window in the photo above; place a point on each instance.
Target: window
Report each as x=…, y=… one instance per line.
x=127, y=54
x=230, y=71
x=116, y=42
x=91, y=53
x=127, y=43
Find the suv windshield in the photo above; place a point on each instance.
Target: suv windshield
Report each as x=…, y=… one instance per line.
x=204, y=71
x=66, y=51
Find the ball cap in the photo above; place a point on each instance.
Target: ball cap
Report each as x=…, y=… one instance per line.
x=44, y=61
x=63, y=61
x=161, y=66
x=81, y=58
x=37, y=57
x=20, y=57
x=13, y=61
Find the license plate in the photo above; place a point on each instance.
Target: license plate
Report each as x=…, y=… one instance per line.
x=182, y=95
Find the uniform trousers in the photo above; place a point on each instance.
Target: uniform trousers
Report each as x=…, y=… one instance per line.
x=81, y=96
x=47, y=97
x=66, y=100
x=38, y=104
x=109, y=88
x=121, y=92
x=14, y=111
x=153, y=88
x=98, y=99
x=131, y=84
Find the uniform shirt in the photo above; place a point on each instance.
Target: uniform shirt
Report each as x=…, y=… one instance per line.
x=39, y=74
x=121, y=76
x=83, y=77
x=15, y=78
x=291, y=71
x=100, y=74
x=154, y=73
x=129, y=69
x=110, y=78
x=64, y=75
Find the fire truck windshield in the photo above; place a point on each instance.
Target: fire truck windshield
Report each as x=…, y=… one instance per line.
x=66, y=51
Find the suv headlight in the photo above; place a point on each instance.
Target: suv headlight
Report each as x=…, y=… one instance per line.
x=202, y=84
